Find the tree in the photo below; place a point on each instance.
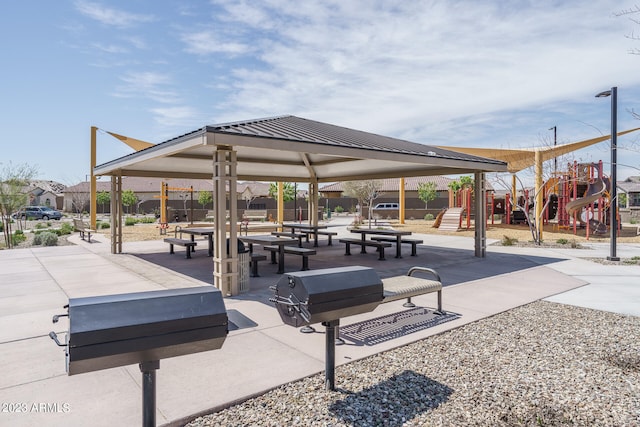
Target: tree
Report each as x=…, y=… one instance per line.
x=13, y=181
x=364, y=191
x=80, y=197
x=427, y=192
x=204, y=198
x=288, y=190
x=129, y=199
x=102, y=198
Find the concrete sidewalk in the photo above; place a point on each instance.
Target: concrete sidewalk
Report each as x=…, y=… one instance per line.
x=261, y=352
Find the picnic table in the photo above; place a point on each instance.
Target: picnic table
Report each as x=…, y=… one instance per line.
x=308, y=229
x=268, y=239
x=200, y=231
x=383, y=232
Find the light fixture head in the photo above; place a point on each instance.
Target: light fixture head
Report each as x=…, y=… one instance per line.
x=604, y=94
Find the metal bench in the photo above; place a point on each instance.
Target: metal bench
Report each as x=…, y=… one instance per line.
x=400, y=287
x=364, y=243
x=255, y=258
x=256, y=214
x=413, y=242
x=188, y=244
x=83, y=228
x=304, y=252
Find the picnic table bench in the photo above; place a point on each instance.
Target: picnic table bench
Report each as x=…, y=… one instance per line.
x=304, y=252
x=83, y=228
x=400, y=287
x=187, y=243
x=255, y=258
x=413, y=242
x=363, y=244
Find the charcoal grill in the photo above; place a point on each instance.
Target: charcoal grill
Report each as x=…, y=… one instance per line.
x=124, y=329
x=325, y=296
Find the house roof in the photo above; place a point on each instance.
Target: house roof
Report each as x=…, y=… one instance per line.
x=294, y=149
x=153, y=185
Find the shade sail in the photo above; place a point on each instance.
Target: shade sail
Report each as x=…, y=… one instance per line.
x=519, y=159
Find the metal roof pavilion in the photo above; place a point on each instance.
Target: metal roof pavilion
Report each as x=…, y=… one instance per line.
x=284, y=148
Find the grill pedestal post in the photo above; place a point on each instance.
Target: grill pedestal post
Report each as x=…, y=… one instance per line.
x=148, y=370
x=330, y=354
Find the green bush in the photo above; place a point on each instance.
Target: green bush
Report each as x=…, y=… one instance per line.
x=428, y=217
x=147, y=220
x=130, y=221
x=562, y=241
x=1, y=227
x=633, y=221
x=66, y=228
x=18, y=237
x=338, y=209
x=100, y=225
x=40, y=225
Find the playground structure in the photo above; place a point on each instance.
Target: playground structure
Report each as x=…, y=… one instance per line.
x=164, y=197
x=576, y=198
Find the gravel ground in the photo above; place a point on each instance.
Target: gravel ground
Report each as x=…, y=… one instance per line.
x=543, y=364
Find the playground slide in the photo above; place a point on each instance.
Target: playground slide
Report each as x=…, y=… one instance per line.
x=595, y=190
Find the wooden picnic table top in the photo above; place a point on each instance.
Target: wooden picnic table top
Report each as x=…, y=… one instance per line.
x=383, y=232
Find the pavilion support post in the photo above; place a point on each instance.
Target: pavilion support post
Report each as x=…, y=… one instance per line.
x=539, y=194
x=480, y=215
x=116, y=214
x=401, y=202
x=280, y=216
x=225, y=265
x=313, y=203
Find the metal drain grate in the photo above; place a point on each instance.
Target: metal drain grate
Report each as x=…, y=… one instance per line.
x=385, y=328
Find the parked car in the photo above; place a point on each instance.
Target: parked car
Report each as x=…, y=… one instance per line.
x=387, y=206
x=38, y=212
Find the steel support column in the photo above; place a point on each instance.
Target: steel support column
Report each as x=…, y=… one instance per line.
x=480, y=215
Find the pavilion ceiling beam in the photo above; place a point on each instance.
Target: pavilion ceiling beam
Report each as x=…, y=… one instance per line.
x=312, y=171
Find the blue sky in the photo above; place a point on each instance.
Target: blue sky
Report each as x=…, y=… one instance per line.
x=466, y=73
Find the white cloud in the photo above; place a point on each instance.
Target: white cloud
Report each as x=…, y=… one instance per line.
x=110, y=16
x=151, y=85
x=206, y=42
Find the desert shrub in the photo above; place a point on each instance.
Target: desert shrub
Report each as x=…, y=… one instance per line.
x=428, y=217
x=508, y=241
x=1, y=227
x=40, y=225
x=147, y=220
x=338, y=209
x=102, y=225
x=46, y=238
x=18, y=237
x=562, y=241
x=130, y=221
x=633, y=221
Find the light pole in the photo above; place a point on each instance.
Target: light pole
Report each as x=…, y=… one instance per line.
x=613, y=206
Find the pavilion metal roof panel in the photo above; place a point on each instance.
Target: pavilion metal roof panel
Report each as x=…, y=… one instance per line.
x=295, y=149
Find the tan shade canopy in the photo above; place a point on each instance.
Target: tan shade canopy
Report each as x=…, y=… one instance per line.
x=136, y=144
x=519, y=159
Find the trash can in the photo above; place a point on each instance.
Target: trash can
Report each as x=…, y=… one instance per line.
x=244, y=259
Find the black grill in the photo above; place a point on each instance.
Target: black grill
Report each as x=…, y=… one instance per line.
x=307, y=297
x=326, y=296
x=117, y=330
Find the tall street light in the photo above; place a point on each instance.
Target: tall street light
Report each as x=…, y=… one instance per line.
x=613, y=206
x=555, y=142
